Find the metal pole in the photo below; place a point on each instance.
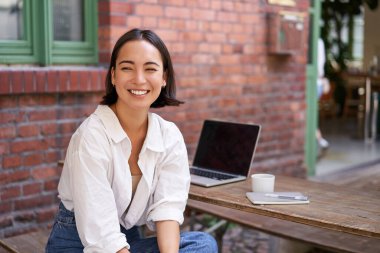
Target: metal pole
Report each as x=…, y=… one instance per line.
x=367, y=109
x=375, y=107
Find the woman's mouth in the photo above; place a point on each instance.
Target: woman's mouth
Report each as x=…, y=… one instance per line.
x=138, y=92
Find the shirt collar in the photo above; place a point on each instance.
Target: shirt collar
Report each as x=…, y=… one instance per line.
x=153, y=140
x=111, y=123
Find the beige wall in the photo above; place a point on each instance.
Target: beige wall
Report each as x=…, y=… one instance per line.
x=371, y=35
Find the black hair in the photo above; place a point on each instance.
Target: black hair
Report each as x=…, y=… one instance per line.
x=167, y=94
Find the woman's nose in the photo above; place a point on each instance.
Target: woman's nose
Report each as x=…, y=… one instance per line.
x=140, y=77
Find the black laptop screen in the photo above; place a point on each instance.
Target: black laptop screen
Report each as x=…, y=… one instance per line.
x=227, y=147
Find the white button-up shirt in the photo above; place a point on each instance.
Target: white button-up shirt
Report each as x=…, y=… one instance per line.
x=96, y=181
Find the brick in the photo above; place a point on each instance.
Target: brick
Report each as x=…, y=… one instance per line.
x=104, y=20
x=74, y=83
x=149, y=10
x=51, y=185
x=120, y=7
x=5, y=222
x=45, y=215
x=12, y=161
x=17, y=82
x=25, y=217
x=39, y=115
x=28, y=145
x=32, y=188
x=10, y=193
x=104, y=6
x=178, y=12
x=224, y=16
x=45, y=100
x=52, y=81
x=28, y=130
x=8, y=102
x=32, y=202
x=201, y=14
x=150, y=22
x=44, y=173
x=85, y=82
x=49, y=128
x=16, y=176
x=4, y=148
x=30, y=84
x=5, y=87
x=63, y=80
x=120, y=20
x=41, y=81
x=5, y=207
x=7, y=132
x=32, y=159
x=28, y=101
x=51, y=156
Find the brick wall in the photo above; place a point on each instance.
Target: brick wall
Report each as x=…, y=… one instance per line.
x=219, y=50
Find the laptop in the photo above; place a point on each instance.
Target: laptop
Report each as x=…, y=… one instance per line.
x=224, y=153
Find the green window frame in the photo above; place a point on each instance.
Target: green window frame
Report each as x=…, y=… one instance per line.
x=38, y=46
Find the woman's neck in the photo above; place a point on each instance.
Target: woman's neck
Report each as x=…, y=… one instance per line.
x=132, y=121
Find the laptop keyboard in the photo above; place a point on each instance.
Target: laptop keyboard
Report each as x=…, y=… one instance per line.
x=210, y=174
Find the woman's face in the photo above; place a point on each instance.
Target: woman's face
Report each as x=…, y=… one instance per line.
x=138, y=75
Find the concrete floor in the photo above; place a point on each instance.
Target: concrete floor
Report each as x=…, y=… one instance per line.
x=347, y=149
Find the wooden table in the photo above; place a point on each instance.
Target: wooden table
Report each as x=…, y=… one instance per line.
x=331, y=207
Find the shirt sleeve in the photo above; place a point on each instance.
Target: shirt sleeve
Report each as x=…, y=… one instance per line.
x=171, y=193
x=94, y=203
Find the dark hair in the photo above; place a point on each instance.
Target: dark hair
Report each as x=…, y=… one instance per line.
x=167, y=94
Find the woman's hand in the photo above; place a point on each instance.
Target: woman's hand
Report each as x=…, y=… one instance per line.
x=123, y=250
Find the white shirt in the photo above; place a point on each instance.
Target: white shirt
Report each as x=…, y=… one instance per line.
x=96, y=182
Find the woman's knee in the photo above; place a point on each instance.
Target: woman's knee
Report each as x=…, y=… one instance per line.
x=198, y=242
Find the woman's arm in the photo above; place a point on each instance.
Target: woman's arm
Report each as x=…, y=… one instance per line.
x=168, y=236
x=123, y=250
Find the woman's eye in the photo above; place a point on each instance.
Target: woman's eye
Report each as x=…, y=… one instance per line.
x=151, y=70
x=126, y=68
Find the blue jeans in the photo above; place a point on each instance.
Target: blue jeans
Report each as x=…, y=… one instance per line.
x=64, y=238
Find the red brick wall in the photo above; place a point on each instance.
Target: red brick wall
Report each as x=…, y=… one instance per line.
x=219, y=50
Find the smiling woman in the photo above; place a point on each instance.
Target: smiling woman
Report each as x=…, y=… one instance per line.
x=126, y=166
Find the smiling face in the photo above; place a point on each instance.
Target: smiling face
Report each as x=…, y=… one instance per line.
x=138, y=74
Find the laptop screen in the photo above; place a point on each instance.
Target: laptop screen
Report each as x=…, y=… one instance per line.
x=226, y=146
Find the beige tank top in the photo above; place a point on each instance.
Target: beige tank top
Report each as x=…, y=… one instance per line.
x=135, y=181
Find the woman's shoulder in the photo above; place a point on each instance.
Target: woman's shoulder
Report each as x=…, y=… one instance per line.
x=92, y=128
x=162, y=124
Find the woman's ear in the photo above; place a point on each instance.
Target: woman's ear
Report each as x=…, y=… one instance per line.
x=165, y=77
x=113, y=76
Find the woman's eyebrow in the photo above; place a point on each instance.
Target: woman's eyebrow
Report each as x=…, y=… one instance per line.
x=132, y=62
x=125, y=61
x=152, y=62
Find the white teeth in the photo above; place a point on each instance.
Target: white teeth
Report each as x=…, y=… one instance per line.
x=139, y=92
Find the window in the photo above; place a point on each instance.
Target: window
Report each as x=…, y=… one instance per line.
x=48, y=32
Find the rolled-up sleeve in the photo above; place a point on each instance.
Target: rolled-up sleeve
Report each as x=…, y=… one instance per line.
x=94, y=202
x=171, y=193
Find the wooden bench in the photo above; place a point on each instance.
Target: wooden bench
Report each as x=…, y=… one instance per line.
x=27, y=243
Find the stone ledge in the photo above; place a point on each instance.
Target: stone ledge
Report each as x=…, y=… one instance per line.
x=29, y=80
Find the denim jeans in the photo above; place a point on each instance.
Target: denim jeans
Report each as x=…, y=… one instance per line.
x=64, y=238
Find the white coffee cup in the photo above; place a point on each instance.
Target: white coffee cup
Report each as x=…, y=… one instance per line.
x=262, y=182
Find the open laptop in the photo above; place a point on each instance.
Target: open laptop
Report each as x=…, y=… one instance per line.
x=224, y=153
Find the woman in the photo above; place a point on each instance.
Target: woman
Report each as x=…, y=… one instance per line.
x=125, y=166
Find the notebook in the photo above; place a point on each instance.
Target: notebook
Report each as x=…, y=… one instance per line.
x=277, y=198
x=224, y=153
